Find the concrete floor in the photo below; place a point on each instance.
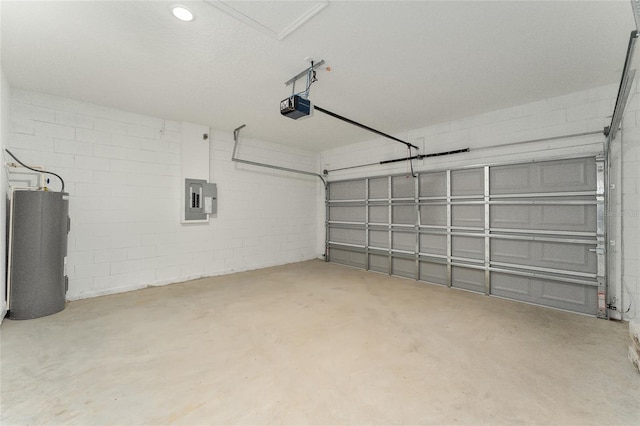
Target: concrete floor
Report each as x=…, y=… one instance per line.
x=314, y=343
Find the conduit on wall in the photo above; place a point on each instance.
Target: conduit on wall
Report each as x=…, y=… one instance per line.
x=236, y=136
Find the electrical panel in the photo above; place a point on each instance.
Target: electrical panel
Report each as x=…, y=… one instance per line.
x=200, y=200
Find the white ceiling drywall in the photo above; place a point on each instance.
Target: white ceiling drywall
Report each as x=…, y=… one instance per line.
x=394, y=65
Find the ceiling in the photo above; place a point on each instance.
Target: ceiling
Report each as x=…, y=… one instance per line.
x=394, y=65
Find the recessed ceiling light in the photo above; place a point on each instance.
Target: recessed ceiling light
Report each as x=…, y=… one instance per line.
x=182, y=13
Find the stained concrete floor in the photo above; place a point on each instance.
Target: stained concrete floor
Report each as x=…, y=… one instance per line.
x=314, y=343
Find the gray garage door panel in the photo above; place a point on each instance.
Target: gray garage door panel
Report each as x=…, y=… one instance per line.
x=347, y=257
x=403, y=241
x=569, y=257
x=467, y=247
x=467, y=182
x=403, y=267
x=378, y=188
x=574, y=218
x=349, y=190
x=540, y=232
x=468, y=279
x=551, y=176
x=349, y=236
x=433, y=184
x=572, y=297
x=378, y=214
x=379, y=238
x=467, y=215
x=379, y=263
x=347, y=213
x=433, y=215
x=433, y=244
x=402, y=187
x=433, y=272
x=403, y=214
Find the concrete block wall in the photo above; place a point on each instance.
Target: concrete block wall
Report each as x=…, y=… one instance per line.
x=5, y=92
x=122, y=171
x=276, y=206
x=626, y=149
x=580, y=112
x=4, y=136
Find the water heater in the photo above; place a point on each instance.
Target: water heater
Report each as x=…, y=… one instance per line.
x=37, y=249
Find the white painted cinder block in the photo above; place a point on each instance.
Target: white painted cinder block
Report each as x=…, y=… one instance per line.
x=66, y=146
x=53, y=130
x=31, y=142
x=5, y=118
x=93, y=136
x=32, y=112
x=73, y=119
x=123, y=174
x=597, y=109
x=625, y=164
x=22, y=125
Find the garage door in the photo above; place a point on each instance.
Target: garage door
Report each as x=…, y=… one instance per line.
x=531, y=232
